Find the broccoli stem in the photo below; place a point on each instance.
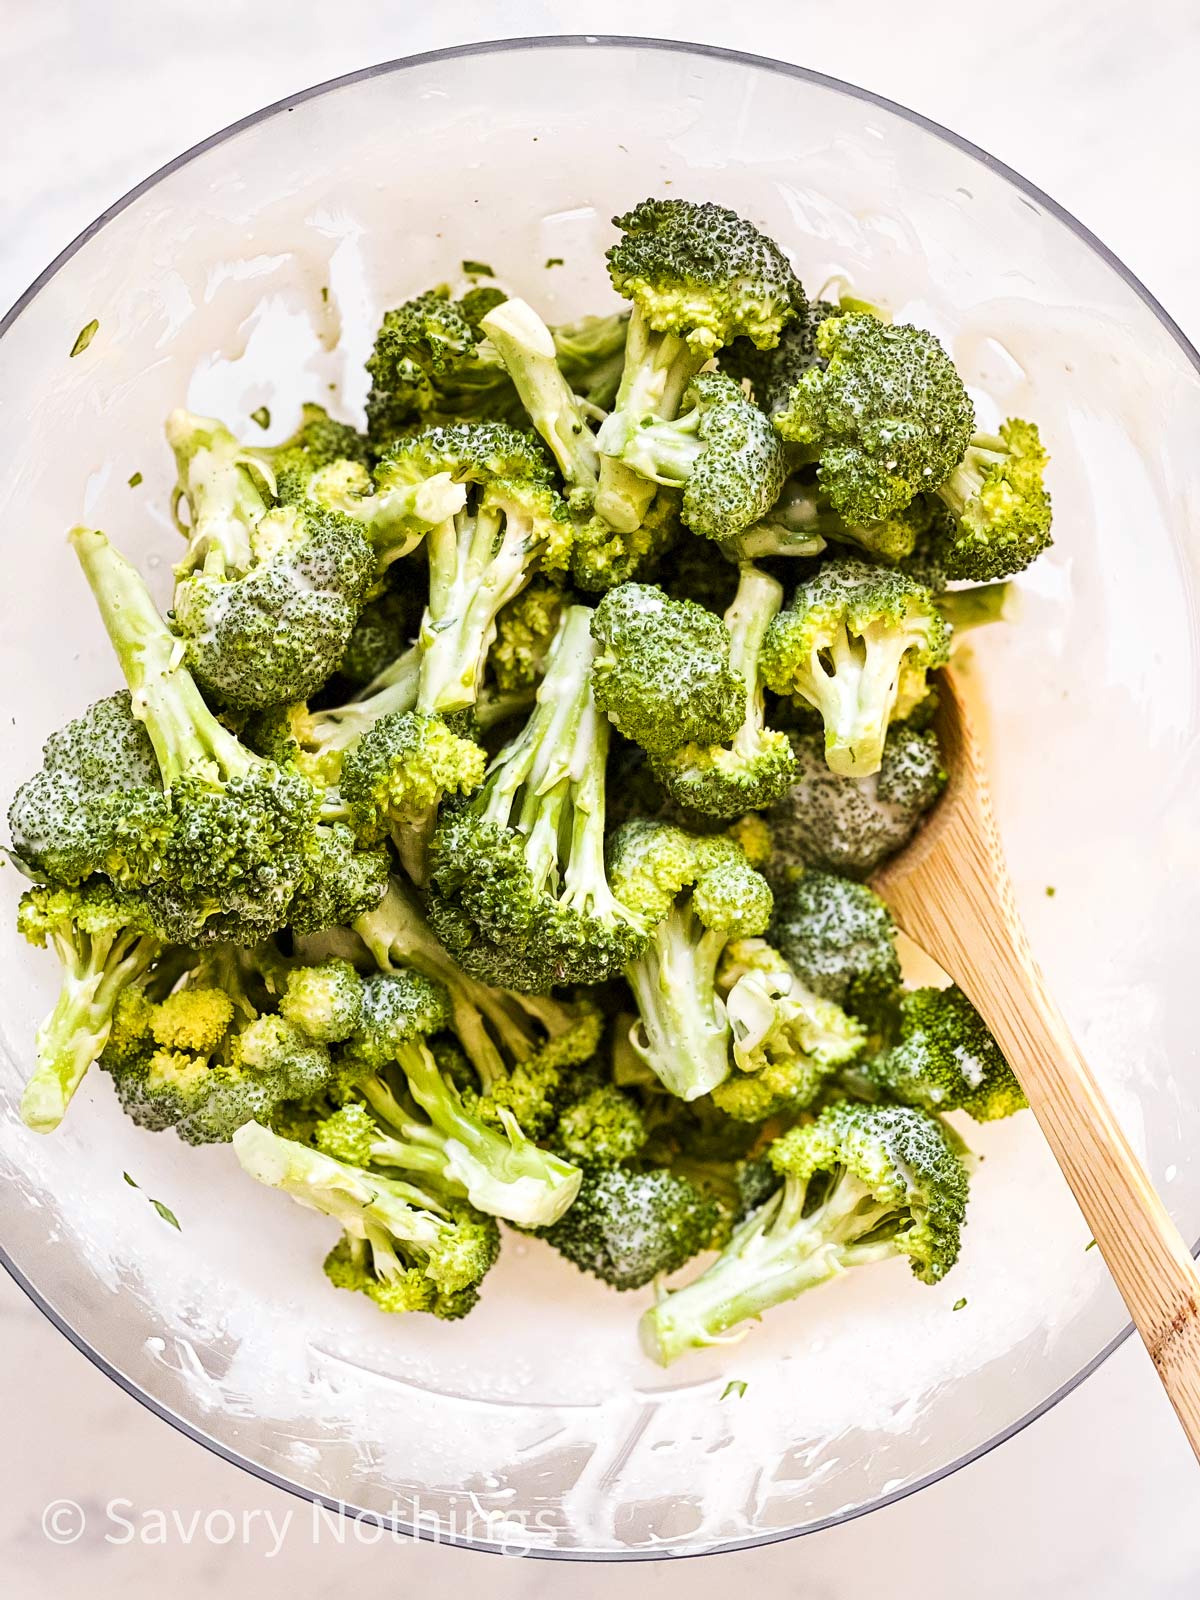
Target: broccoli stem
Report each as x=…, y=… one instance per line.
x=330, y=733
x=758, y=599
x=96, y=969
x=857, y=697
x=397, y=935
x=793, y=526
x=505, y=1176
x=965, y=609
x=549, y=783
x=188, y=740
x=682, y=1032
x=658, y=368
x=775, y=1255
x=476, y=565
x=222, y=493
x=527, y=349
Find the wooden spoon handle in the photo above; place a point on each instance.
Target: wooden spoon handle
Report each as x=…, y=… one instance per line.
x=964, y=915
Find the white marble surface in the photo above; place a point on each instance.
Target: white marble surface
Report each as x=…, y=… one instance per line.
x=1096, y=102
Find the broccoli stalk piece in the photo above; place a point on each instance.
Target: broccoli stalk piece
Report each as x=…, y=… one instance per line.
x=519, y=1046
x=527, y=348
x=999, y=505
x=803, y=521
x=965, y=609
x=664, y=673
x=224, y=496
x=519, y=893
x=591, y=355
x=724, y=778
x=789, y=528
x=787, y=1041
x=722, y=451
x=947, y=1060
x=853, y=642
x=403, y=1247
x=630, y=1226
x=839, y=939
x=696, y=893
x=860, y=1184
x=501, y=1172
x=884, y=412
x=852, y=825
x=105, y=944
x=698, y=277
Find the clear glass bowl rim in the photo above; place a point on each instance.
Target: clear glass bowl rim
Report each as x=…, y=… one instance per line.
x=586, y=42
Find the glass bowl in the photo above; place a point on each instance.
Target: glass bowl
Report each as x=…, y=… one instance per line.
x=252, y=272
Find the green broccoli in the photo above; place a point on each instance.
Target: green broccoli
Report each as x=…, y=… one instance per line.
x=696, y=893
x=225, y=496
x=787, y=1041
x=277, y=632
x=976, y=607
x=324, y=1001
x=386, y=628
x=802, y=522
x=519, y=1046
x=405, y=1248
x=204, y=1059
x=629, y=1226
x=852, y=825
x=855, y=642
x=601, y=1126
x=860, y=1184
x=999, y=505
x=591, y=354
x=663, y=674
x=519, y=893
x=319, y=441
x=220, y=841
x=699, y=277
x=884, y=412
x=752, y=768
x=429, y=364
x=789, y=528
x=105, y=943
x=773, y=372
x=839, y=939
x=602, y=556
x=721, y=450
x=501, y=1172
x=947, y=1060
x=527, y=348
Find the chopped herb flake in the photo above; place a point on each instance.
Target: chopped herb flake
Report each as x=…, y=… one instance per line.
x=735, y=1386
x=135, y=480
x=958, y=1304
x=85, y=336
x=554, y=261
x=477, y=269
x=262, y=416
x=1090, y=1245
x=166, y=1213
x=1051, y=891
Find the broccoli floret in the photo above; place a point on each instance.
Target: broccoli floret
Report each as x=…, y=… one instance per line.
x=774, y=372
x=405, y=1248
x=429, y=364
x=860, y=1184
x=754, y=766
x=947, y=1060
x=519, y=893
x=224, y=494
x=323, y=1001
x=278, y=632
x=721, y=450
x=105, y=944
x=628, y=1227
x=663, y=674
x=518, y=1047
x=526, y=346
x=318, y=442
x=204, y=1059
x=226, y=840
x=696, y=893
x=385, y=629
x=839, y=939
x=852, y=825
x=787, y=1041
x=855, y=642
x=699, y=277
x=591, y=354
x=602, y=556
x=999, y=505
x=789, y=528
x=516, y=525
x=525, y=629
x=802, y=522
x=344, y=880
x=394, y=777
x=600, y=1128
x=501, y=1173
x=883, y=410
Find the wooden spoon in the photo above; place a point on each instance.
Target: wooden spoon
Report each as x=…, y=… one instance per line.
x=950, y=892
